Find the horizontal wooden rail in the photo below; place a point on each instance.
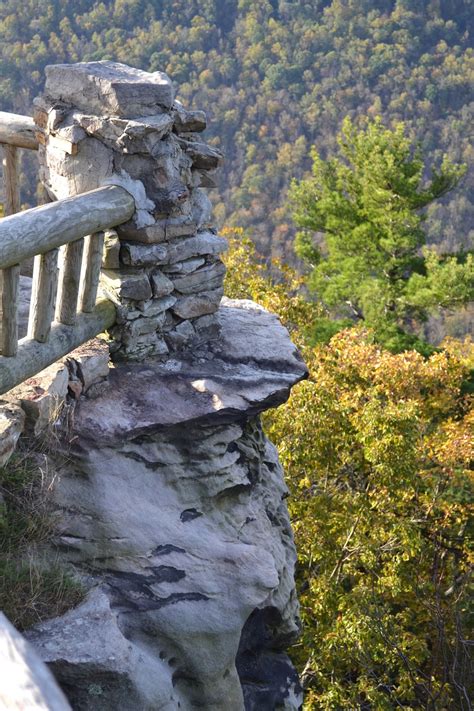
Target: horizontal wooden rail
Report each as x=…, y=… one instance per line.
x=32, y=356
x=17, y=130
x=44, y=228
x=63, y=318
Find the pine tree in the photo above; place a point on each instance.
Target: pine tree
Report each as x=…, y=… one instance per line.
x=371, y=263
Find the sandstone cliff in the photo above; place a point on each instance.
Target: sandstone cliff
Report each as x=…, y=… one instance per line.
x=171, y=508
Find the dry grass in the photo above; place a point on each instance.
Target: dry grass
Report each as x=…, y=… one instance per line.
x=31, y=589
x=30, y=593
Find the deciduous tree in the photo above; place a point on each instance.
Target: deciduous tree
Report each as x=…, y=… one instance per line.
x=378, y=452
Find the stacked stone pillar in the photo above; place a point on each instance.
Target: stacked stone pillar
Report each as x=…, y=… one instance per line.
x=106, y=123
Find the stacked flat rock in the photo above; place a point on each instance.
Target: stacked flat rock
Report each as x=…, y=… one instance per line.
x=106, y=123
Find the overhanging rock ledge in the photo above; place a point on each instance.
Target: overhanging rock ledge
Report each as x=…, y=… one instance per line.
x=248, y=368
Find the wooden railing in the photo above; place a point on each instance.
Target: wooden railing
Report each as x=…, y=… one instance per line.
x=64, y=311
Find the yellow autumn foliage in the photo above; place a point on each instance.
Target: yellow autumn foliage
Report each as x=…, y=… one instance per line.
x=378, y=451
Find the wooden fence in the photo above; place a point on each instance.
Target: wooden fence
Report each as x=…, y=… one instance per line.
x=64, y=311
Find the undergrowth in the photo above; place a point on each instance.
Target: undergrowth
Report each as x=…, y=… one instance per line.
x=32, y=586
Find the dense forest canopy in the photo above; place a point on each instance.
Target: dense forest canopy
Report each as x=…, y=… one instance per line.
x=275, y=77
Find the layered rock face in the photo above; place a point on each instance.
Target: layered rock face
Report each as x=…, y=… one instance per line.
x=106, y=123
x=171, y=507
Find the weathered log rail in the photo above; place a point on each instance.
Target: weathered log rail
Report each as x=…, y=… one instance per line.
x=64, y=312
x=18, y=131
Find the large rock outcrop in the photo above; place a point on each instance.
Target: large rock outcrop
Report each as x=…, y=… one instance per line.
x=171, y=507
x=168, y=501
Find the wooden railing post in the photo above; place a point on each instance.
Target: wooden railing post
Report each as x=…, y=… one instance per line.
x=93, y=262
x=69, y=282
x=11, y=184
x=9, y=278
x=43, y=295
x=32, y=356
x=10, y=285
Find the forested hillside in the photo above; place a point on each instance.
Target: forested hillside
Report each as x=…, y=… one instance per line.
x=275, y=77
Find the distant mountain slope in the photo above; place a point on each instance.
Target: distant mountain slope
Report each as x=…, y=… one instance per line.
x=275, y=78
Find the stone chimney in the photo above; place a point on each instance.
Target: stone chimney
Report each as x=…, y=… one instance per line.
x=106, y=123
